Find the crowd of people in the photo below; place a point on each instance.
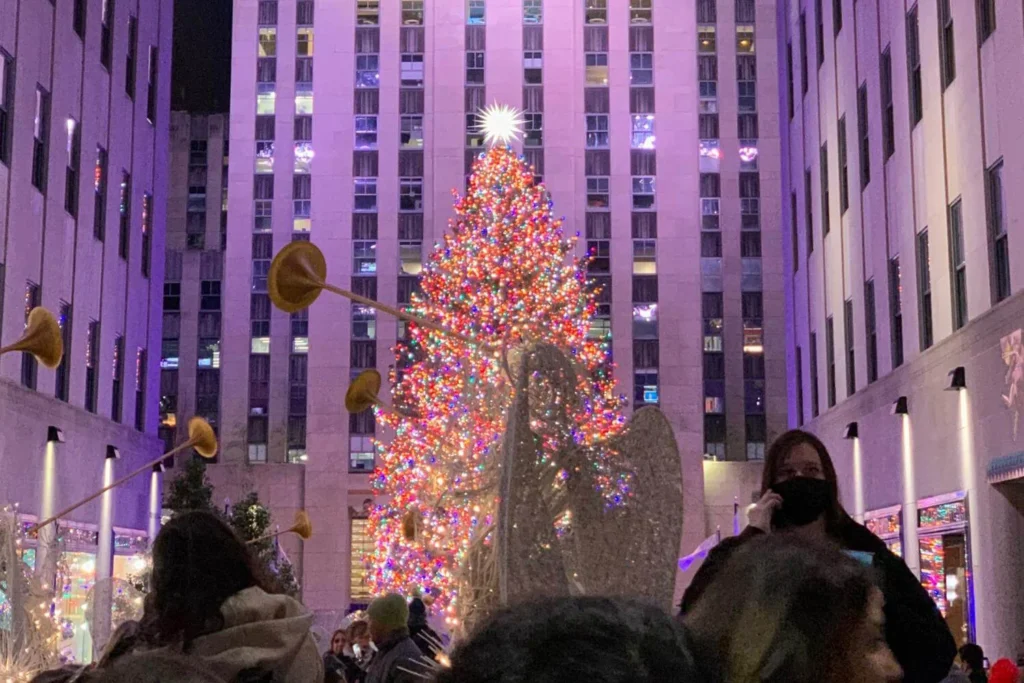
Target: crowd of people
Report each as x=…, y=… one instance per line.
x=804, y=595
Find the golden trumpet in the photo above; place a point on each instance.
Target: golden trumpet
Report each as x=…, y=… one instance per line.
x=200, y=437
x=299, y=273
x=303, y=528
x=42, y=338
x=363, y=391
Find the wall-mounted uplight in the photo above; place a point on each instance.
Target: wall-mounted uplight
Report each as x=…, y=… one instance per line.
x=54, y=434
x=113, y=453
x=957, y=379
x=852, y=431
x=900, y=406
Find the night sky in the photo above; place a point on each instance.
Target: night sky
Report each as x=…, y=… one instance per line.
x=201, y=79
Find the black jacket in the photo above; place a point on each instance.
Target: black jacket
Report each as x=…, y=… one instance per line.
x=426, y=638
x=914, y=627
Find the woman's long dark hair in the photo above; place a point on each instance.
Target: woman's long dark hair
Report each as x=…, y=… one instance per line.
x=198, y=563
x=835, y=515
x=783, y=610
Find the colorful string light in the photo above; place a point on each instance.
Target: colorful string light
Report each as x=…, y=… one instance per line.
x=504, y=274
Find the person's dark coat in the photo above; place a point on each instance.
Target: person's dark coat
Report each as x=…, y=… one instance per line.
x=914, y=627
x=398, y=660
x=426, y=638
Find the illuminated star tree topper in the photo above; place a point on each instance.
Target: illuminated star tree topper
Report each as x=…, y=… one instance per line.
x=501, y=124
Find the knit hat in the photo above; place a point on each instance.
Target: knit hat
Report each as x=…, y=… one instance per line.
x=1004, y=671
x=389, y=613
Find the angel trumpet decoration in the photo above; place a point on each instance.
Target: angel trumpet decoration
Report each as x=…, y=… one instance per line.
x=302, y=527
x=42, y=338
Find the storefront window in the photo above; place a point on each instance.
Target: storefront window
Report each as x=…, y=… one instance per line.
x=945, y=562
x=887, y=524
x=76, y=577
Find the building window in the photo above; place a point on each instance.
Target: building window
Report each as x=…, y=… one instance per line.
x=597, y=131
x=790, y=102
x=597, y=68
x=78, y=18
x=799, y=386
x=533, y=63
x=71, y=178
x=154, y=65
x=141, y=360
x=999, y=245
x=360, y=453
x=597, y=193
x=645, y=257
x=596, y=11
x=63, y=379
x=412, y=71
x=533, y=130
x=643, y=193
x=924, y=289
x=106, y=33
x=364, y=322
x=808, y=212
x=304, y=42
x=747, y=93
x=837, y=16
x=706, y=41
x=640, y=11
x=410, y=255
x=368, y=71
x=6, y=102
x=29, y=365
x=643, y=131
x=267, y=15
x=641, y=68
x=645, y=387
x=815, y=409
x=131, y=57
x=124, y=214
x=844, y=179
x=410, y=194
x=914, y=69
x=304, y=13
x=803, y=54
x=851, y=372
x=366, y=132
x=862, y=131
x=870, y=330
x=412, y=12
x=958, y=263
x=745, y=39
x=757, y=435
x=830, y=361
x=819, y=31
x=823, y=173
x=888, y=121
x=474, y=68
x=367, y=12
x=412, y=132
x=117, y=380
x=947, y=52
x=896, y=311
x=366, y=194
x=364, y=254
x=100, y=184
x=92, y=355
x=40, y=137
x=533, y=11
x=986, y=19
x=209, y=295
x=475, y=12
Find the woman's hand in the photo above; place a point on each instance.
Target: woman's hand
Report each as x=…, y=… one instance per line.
x=760, y=516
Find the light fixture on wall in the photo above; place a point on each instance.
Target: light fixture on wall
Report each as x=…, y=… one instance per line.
x=852, y=431
x=54, y=434
x=113, y=453
x=900, y=406
x=957, y=379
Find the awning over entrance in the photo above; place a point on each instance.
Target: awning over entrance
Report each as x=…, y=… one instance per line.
x=1006, y=468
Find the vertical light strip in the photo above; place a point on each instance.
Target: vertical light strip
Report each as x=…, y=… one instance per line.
x=858, y=480
x=968, y=478
x=154, y=506
x=912, y=552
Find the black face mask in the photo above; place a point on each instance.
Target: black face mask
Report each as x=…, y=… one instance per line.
x=803, y=501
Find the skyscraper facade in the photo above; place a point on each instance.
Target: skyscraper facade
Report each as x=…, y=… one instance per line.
x=904, y=274
x=84, y=91
x=654, y=126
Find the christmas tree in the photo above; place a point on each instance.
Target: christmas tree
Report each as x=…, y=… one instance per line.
x=505, y=277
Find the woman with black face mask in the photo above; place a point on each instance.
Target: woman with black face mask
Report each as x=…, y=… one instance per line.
x=800, y=497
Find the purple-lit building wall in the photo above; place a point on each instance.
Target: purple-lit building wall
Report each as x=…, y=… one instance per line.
x=84, y=114
x=349, y=128
x=903, y=259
